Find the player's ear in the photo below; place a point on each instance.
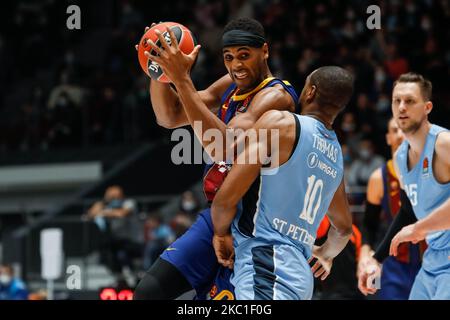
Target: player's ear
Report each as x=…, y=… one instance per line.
x=311, y=93
x=265, y=49
x=428, y=107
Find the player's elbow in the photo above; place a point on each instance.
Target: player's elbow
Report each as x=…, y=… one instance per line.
x=167, y=123
x=218, y=206
x=345, y=231
x=222, y=205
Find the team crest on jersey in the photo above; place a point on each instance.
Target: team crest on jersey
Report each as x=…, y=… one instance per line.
x=425, y=168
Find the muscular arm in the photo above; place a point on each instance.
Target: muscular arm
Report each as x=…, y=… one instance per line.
x=177, y=66
x=273, y=98
x=341, y=224
x=242, y=175
x=439, y=219
x=168, y=108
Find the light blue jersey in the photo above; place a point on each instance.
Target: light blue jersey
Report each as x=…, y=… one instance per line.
x=293, y=199
x=426, y=194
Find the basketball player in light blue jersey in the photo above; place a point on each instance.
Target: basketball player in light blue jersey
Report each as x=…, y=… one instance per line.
x=272, y=262
x=241, y=98
x=422, y=163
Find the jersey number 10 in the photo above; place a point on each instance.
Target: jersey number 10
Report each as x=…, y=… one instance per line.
x=312, y=200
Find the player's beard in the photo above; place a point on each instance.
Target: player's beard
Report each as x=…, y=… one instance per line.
x=411, y=127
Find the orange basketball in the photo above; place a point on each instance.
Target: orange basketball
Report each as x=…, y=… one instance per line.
x=186, y=43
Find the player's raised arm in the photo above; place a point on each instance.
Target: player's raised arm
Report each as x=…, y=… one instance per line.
x=177, y=65
x=165, y=100
x=168, y=108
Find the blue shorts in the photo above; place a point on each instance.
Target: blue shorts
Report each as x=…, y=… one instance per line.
x=397, y=279
x=433, y=280
x=193, y=254
x=271, y=272
x=222, y=288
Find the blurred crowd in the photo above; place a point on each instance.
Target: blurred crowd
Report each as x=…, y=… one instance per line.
x=132, y=240
x=65, y=88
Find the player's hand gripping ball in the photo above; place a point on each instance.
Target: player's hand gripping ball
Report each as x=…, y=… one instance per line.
x=186, y=43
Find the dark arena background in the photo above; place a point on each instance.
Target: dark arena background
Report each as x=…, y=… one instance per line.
x=77, y=129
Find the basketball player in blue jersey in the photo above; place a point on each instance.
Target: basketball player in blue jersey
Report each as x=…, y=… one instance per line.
x=383, y=196
x=422, y=163
x=241, y=98
x=271, y=261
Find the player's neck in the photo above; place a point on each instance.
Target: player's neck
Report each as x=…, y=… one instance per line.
x=418, y=138
x=314, y=111
x=320, y=117
x=266, y=75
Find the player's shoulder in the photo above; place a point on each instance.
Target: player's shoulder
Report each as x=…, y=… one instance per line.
x=375, y=187
x=442, y=146
x=275, y=94
x=443, y=141
x=376, y=176
x=401, y=151
x=275, y=119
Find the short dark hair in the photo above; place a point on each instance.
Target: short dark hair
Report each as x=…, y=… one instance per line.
x=245, y=24
x=334, y=86
x=426, y=88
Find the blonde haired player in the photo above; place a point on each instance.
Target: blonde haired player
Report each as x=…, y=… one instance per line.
x=422, y=163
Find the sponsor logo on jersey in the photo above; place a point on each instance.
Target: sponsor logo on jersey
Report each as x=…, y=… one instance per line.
x=425, y=168
x=314, y=162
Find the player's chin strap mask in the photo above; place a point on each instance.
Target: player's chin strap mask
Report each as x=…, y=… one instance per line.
x=242, y=38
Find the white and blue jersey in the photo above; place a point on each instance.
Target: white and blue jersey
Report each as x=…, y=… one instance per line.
x=271, y=261
x=426, y=194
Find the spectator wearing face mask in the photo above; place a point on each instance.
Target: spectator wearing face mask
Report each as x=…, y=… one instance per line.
x=116, y=216
x=158, y=236
x=189, y=203
x=363, y=166
x=350, y=132
x=11, y=288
